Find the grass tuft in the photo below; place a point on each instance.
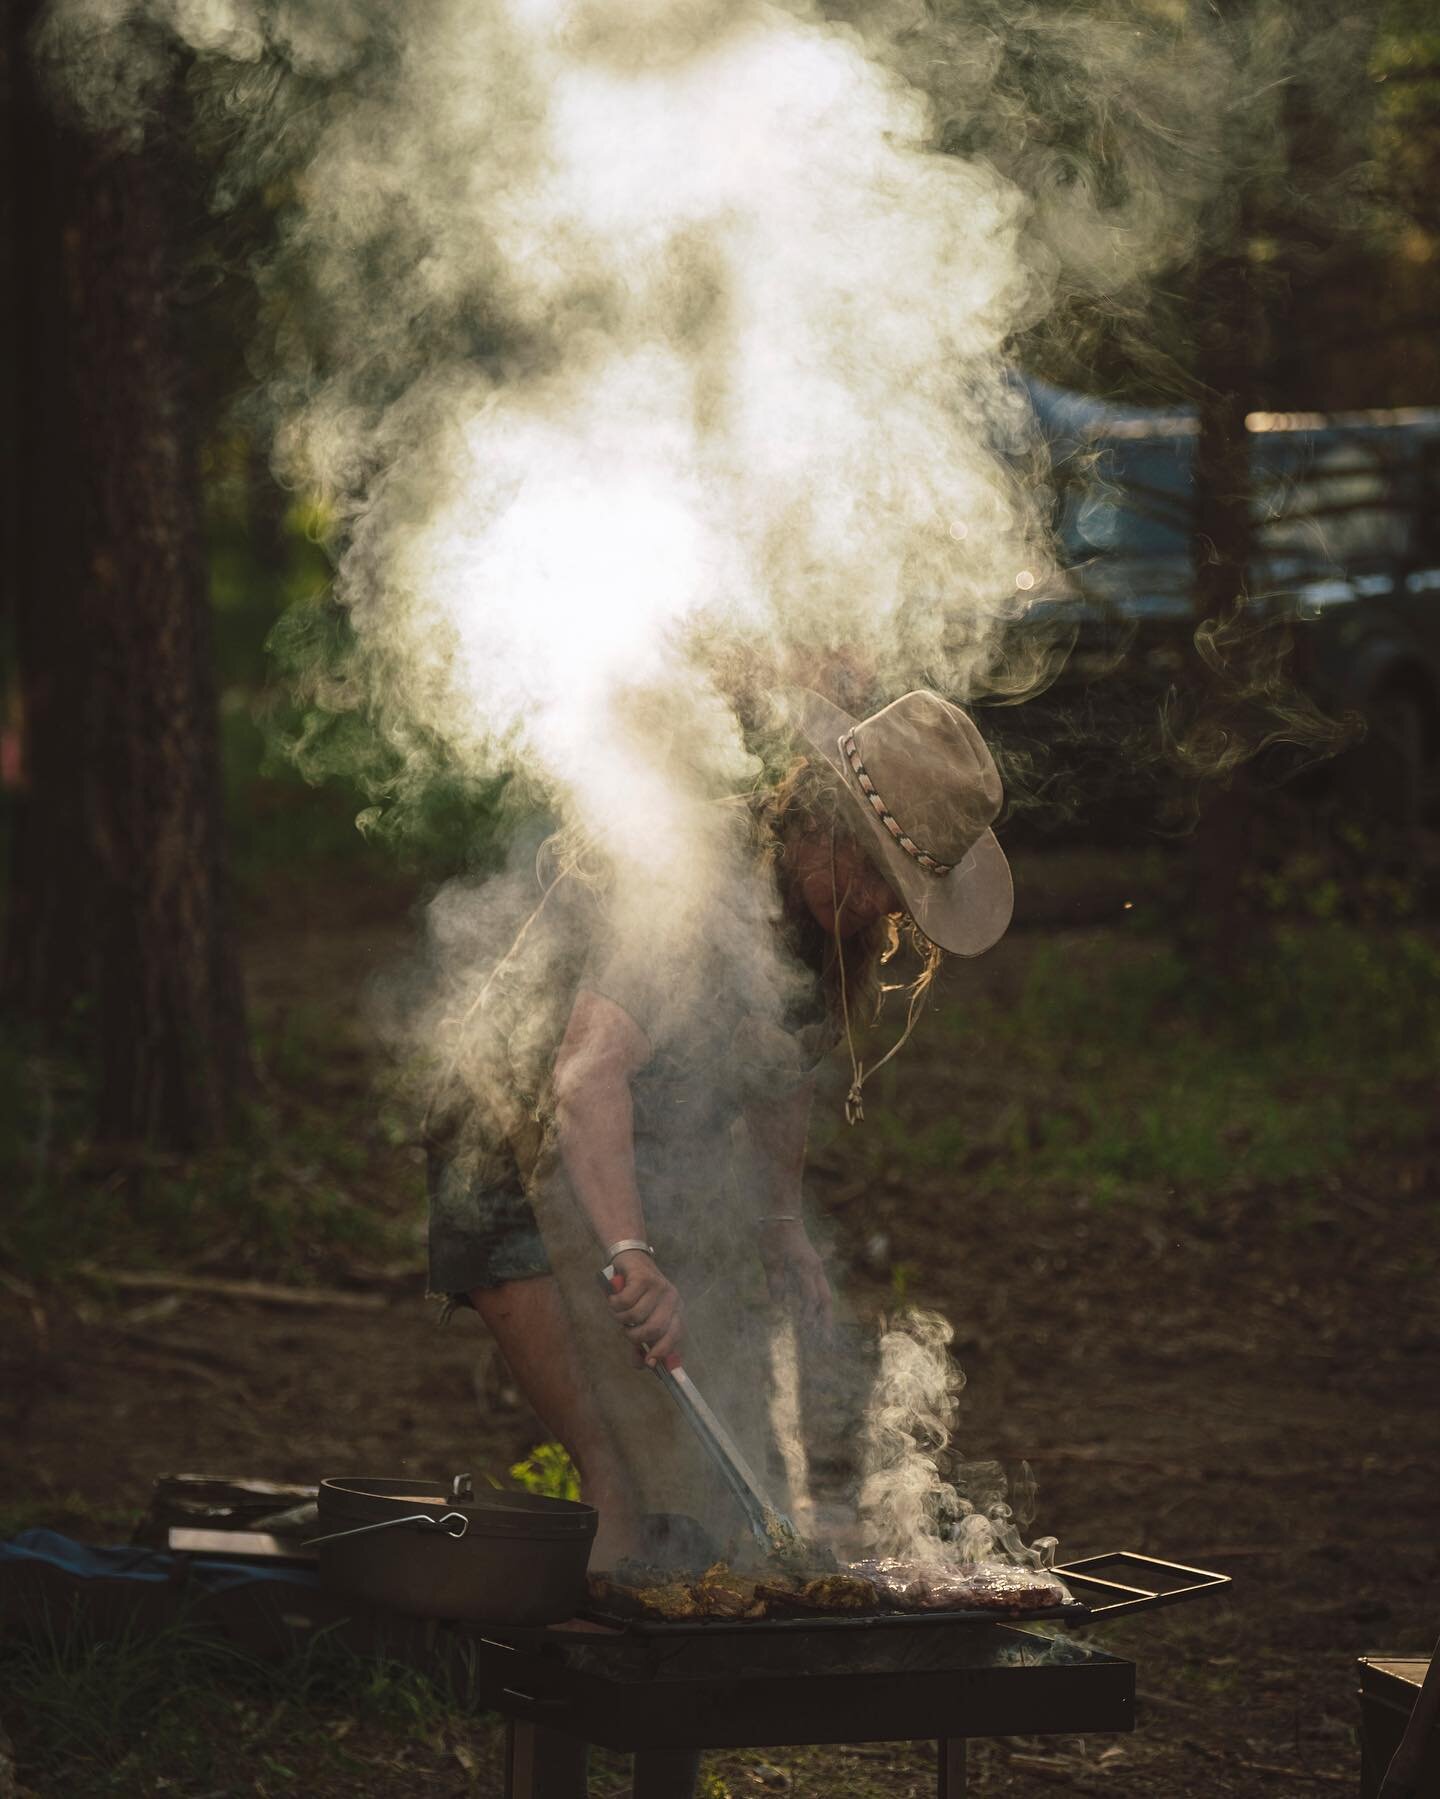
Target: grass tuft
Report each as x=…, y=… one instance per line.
x=1129, y=1072
x=179, y=1706
x=308, y=1186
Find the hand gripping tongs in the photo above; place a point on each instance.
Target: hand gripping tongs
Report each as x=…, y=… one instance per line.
x=772, y=1529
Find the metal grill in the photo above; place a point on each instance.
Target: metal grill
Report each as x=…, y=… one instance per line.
x=666, y=1690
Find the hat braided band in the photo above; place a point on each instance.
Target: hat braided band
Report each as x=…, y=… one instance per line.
x=886, y=817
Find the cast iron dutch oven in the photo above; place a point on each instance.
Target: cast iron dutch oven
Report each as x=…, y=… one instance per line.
x=439, y=1551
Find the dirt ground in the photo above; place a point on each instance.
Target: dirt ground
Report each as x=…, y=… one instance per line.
x=1228, y=1388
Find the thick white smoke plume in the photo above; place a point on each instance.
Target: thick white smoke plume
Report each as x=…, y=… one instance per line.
x=662, y=354
x=759, y=392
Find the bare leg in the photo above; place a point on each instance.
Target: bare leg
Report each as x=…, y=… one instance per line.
x=528, y=1320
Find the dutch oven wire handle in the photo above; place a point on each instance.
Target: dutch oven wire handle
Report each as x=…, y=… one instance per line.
x=445, y=1523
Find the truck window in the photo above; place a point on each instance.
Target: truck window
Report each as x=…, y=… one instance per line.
x=1333, y=501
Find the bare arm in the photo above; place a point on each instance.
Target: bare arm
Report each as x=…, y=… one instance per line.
x=594, y=1115
x=602, y=1049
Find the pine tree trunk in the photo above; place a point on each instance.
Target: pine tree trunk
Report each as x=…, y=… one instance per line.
x=117, y=667
x=48, y=963
x=1225, y=370
x=171, y=1023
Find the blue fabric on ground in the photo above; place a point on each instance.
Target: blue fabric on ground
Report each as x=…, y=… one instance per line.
x=127, y=1561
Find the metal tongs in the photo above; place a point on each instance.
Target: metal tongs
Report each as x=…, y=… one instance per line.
x=772, y=1529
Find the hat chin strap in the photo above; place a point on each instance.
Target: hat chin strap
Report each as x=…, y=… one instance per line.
x=887, y=818
x=854, y=1099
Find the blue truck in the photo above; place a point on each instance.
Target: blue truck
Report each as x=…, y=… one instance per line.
x=1346, y=551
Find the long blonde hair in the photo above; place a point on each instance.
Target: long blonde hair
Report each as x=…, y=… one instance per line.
x=807, y=801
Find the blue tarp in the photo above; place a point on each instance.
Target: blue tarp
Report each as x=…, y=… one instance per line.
x=48, y=1549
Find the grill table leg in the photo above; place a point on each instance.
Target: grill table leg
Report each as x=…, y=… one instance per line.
x=543, y=1764
x=950, y=1768
x=666, y=1773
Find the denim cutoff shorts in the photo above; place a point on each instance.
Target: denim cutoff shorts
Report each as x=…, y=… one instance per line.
x=482, y=1228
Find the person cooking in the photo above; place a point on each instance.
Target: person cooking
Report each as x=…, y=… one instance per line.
x=654, y=1116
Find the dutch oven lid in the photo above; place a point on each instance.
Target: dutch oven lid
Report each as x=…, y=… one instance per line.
x=372, y=1499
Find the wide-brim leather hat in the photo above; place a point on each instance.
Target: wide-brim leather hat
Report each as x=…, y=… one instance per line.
x=923, y=789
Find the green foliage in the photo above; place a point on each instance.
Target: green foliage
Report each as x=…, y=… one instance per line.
x=1358, y=878
x=330, y=729
x=548, y=1470
x=278, y=1201
x=268, y=1216
x=311, y=776
x=1405, y=68
x=1130, y=1072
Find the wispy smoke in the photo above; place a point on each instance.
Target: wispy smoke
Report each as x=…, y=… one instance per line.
x=920, y=1500
x=787, y=1422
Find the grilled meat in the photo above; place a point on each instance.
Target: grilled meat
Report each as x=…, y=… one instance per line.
x=780, y=1601
x=822, y=1595
x=670, y=1599
x=840, y=1593
x=673, y=1602
x=719, y=1593
x=636, y=1590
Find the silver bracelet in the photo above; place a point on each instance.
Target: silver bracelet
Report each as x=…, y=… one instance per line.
x=628, y=1243
x=780, y=1218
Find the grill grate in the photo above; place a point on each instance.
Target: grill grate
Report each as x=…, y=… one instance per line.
x=1151, y=1583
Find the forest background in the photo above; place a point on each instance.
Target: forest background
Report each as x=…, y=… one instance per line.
x=1210, y=1045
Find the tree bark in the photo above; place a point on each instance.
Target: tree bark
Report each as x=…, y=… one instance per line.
x=1225, y=370
x=116, y=664
x=48, y=966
